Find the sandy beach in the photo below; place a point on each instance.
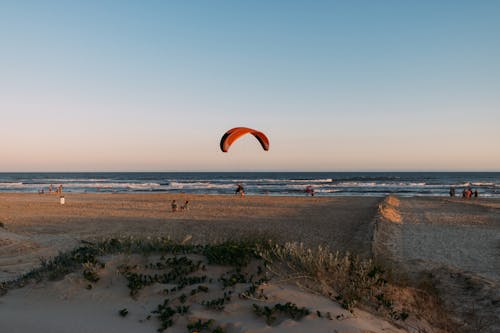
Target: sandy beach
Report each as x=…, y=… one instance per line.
x=38, y=226
x=452, y=244
x=415, y=235
x=454, y=232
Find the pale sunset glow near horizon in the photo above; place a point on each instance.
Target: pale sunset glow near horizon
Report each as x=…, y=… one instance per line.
x=336, y=86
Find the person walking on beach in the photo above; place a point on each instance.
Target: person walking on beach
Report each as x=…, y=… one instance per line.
x=452, y=192
x=240, y=190
x=185, y=206
x=174, y=206
x=310, y=190
x=476, y=193
x=50, y=188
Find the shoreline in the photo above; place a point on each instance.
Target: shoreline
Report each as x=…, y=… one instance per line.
x=381, y=196
x=377, y=184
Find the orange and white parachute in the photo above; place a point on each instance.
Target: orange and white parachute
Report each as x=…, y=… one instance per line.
x=235, y=133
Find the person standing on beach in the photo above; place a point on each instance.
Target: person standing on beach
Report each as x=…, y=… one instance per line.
x=174, y=206
x=452, y=192
x=476, y=193
x=50, y=188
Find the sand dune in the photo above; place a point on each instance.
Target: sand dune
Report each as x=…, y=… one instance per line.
x=66, y=306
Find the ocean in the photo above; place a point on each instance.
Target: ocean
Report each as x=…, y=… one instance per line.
x=261, y=183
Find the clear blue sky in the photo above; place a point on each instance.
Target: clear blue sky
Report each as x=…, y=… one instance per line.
x=152, y=85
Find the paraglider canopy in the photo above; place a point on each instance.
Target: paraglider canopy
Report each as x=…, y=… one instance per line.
x=235, y=133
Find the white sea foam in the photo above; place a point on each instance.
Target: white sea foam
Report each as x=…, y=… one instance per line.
x=326, y=180
x=71, y=180
x=11, y=184
x=198, y=185
x=301, y=186
x=327, y=190
x=375, y=184
x=144, y=185
x=267, y=180
x=111, y=185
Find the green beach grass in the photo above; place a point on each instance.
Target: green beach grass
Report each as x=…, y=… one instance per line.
x=344, y=278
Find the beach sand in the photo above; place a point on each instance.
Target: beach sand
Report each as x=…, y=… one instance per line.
x=458, y=242
x=38, y=226
x=451, y=244
x=67, y=306
x=454, y=232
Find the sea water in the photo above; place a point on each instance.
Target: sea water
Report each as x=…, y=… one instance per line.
x=260, y=183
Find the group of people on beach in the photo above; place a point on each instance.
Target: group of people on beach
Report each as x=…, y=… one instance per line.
x=184, y=207
x=175, y=208
x=467, y=193
x=52, y=190
x=241, y=191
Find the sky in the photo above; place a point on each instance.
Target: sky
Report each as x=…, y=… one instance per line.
x=336, y=85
